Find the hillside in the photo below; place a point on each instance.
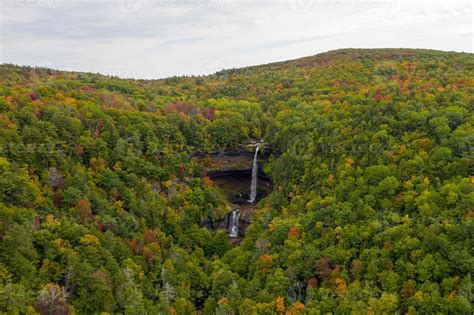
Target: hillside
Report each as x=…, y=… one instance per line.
x=104, y=206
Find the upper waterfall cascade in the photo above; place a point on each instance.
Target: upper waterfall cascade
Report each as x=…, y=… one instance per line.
x=253, y=184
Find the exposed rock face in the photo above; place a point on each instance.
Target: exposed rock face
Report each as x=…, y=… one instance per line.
x=237, y=159
x=225, y=162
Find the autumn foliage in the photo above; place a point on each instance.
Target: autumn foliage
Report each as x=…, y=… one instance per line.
x=108, y=204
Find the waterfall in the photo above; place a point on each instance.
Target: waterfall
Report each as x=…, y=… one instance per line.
x=234, y=223
x=253, y=185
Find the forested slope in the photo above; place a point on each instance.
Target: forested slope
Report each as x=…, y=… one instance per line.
x=102, y=204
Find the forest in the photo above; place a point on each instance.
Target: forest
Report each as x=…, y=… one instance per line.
x=103, y=204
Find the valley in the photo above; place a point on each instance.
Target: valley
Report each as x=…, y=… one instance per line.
x=124, y=196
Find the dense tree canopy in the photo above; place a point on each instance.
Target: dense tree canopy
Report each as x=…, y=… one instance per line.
x=104, y=209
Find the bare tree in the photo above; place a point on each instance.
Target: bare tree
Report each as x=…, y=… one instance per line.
x=169, y=292
x=52, y=300
x=54, y=177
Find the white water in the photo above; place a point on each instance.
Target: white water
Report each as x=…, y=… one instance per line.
x=234, y=223
x=253, y=184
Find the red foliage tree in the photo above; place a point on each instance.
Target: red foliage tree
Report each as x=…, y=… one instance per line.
x=323, y=268
x=84, y=210
x=183, y=107
x=33, y=96
x=58, y=200
x=208, y=113
x=79, y=149
x=378, y=95
x=98, y=129
x=313, y=282
x=150, y=236
x=293, y=233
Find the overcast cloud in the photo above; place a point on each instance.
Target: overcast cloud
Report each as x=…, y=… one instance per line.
x=160, y=38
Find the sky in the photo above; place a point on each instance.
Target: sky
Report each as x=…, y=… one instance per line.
x=151, y=39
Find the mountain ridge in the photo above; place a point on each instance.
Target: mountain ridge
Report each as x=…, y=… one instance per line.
x=341, y=51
